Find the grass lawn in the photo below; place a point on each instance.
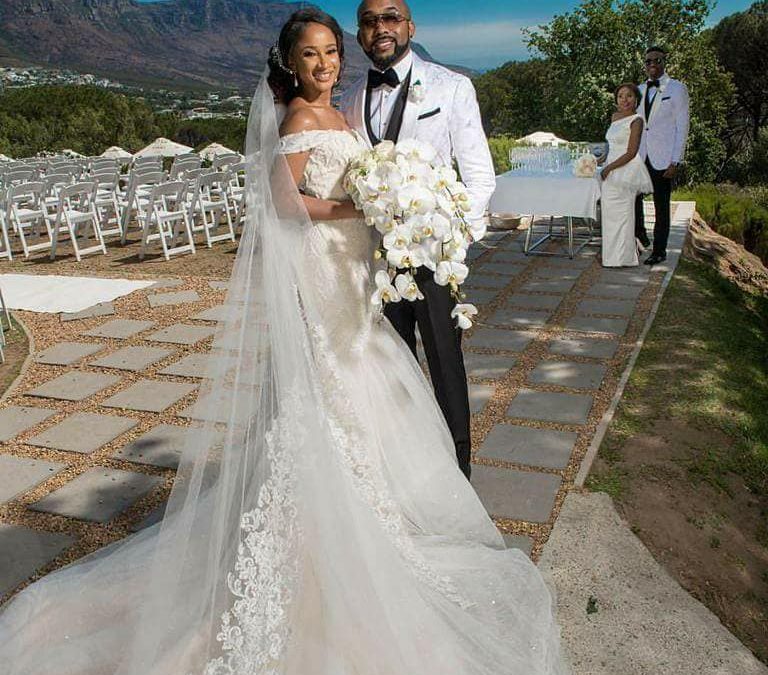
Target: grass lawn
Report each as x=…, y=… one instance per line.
x=686, y=457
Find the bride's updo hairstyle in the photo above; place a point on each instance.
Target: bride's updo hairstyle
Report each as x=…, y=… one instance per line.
x=281, y=79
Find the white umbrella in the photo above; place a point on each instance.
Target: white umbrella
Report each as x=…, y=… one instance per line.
x=163, y=147
x=542, y=138
x=211, y=151
x=116, y=152
x=5, y=158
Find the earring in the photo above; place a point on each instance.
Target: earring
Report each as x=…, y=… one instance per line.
x=295, y=81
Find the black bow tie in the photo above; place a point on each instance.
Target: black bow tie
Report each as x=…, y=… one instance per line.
x=653, y=83
x=376, y=78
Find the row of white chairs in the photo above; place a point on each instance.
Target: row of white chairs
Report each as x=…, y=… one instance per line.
x=164, y=206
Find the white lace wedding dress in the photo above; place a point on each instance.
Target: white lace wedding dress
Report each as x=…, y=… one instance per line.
x=335, y=535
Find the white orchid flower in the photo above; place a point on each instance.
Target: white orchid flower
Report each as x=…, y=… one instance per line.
x=407, y=287
x=385, y=292
x=399, y=237
x=462, y=314
x=430, y=251
x=455, y=250
x=384, y=151
x=408, y=257
x=413, y=149
x=452, y=273
x=416, y=199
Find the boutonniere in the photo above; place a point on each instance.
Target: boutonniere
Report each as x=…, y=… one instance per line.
x=416, y=92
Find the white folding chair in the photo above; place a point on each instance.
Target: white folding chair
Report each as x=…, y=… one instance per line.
x=136, y=196
x=77, y=209
x=5, y=244
x=211, y=202
x=166, y=219
x=28, y=215
x=237, y=192
x=107, y=204
x=221, y=162
x=180, y=166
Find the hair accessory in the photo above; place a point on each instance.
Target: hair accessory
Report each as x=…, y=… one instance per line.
x=274, y=52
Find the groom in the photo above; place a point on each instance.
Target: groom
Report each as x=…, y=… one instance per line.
x=405, y=97
x=664, y=109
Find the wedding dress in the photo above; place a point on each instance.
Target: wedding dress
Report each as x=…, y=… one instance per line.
x=319, y=524
x=617, y=198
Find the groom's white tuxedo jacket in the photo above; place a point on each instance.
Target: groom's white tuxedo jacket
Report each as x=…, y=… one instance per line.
x=666, y=127
x=441, y=109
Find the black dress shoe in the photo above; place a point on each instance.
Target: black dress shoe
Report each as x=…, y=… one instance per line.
x=654, y=259
x=643, y=238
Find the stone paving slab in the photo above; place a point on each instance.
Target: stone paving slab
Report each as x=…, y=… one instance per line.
x=182, y=334
x=487, y=281
x=219, y=285
x=102, y=309
x=511, y=256
x=217, y=313
x=74, y=386
x=479, y=395
x=624, y=291
x=83, y=432
x=604, y=306
x=154, y=517
x=488, y=366
x=167, y=283
x=176, y=298
x=205, y=410
x=519, y=541
x=160, y=446
x=97, y=495
x=509, y=493
x=592, y=324
x=500, y=267
x=589, y=347
x=568, y=374
x=19, y=474
x=25, y=551
x=557, y=273
x=528, y=445
x=548, y=406
x=133, y=359
x=149, y=396
x=630, y=276
x=499, y=338
x=560, y=286
x=192, y=365
x=579, y=262
x=120, y=328
x=17, y=418
x=533, y=301
x=519, y=317
x=67, y=353
x=480, y=296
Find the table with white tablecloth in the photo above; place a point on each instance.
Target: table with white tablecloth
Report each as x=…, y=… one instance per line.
x=551, y=194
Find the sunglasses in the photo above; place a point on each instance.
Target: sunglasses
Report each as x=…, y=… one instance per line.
x=657, y=61
x=389, y=20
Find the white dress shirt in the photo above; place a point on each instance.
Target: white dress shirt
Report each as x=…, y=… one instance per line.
x=383, y=98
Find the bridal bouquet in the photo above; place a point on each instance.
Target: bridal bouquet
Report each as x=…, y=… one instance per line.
x=585, y=166
x=419, y=209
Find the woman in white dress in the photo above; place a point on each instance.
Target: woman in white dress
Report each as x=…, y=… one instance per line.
x=624, y=176
x=318, y=524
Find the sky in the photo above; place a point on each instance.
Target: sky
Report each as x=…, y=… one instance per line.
x=483, y=34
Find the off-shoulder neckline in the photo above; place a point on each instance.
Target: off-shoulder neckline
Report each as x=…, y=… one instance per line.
x=350, y=132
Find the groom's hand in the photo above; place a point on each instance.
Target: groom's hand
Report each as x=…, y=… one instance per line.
x=671, y=171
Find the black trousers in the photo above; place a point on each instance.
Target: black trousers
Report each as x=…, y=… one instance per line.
x=442, y=346
x=662, y=195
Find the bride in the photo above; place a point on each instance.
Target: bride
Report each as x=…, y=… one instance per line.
x=318, y=523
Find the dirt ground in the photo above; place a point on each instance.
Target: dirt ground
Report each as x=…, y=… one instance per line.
x=15, y=350
x=685, y=456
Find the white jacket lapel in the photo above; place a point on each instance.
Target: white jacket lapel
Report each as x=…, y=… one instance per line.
x=411, y=111
x=356, y=118
x=656, y=103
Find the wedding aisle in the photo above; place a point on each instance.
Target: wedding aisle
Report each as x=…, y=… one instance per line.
x=89, y=437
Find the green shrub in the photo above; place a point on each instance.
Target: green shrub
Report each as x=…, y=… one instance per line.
x=500, y=146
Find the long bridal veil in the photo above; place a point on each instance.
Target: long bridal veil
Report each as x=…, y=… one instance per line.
x=315, y=525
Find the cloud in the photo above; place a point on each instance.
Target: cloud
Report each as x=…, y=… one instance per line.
x=477, y=45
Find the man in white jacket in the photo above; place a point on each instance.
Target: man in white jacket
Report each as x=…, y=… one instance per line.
x=405, y=97
x=664, y=109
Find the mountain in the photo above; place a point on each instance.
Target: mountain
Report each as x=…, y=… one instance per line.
x=174, y=44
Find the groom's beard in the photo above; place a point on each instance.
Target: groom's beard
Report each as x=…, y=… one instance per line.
x=382, y=63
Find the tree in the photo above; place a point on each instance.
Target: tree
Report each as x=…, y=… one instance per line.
x=741, y=41
x=513, y=98
x=602, y=43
